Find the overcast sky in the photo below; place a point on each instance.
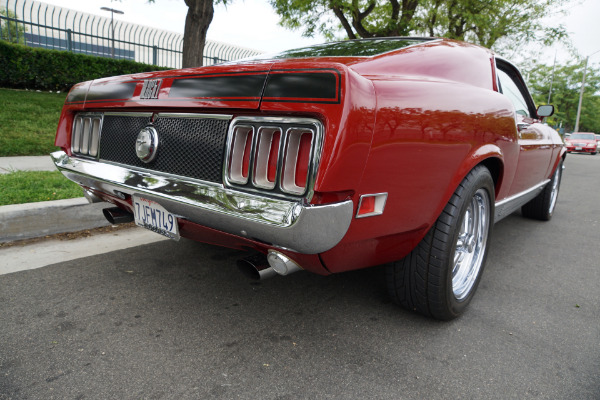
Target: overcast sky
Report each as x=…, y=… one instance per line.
x=253, y=23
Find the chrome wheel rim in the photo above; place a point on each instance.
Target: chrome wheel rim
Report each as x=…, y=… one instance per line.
x=555, y=185
x=471, y=244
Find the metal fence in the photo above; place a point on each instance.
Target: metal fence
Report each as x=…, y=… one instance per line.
x=43, y=25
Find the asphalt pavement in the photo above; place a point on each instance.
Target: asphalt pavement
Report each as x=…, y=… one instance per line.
x=176, y=320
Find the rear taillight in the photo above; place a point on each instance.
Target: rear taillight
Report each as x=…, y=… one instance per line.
x=267, y=157
x=241, y=151
x=296, y=161
x=278, y=155
x=85, y=137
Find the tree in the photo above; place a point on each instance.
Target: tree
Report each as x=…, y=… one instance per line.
x=10, y=30
x=565, y=94
x=489, y=22
x=484, y=22
x=199, y=16
x=357, y=18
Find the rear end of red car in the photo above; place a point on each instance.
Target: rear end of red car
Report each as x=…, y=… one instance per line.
x=261, y=156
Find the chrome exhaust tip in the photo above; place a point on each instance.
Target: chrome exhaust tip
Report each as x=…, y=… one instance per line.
x=256, y=267
x=116, y=216
x=281, y=263
x=259, y=267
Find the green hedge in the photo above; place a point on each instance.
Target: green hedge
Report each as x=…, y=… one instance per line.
x=23, y=67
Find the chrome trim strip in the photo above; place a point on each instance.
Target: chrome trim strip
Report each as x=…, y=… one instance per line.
x=507, y=206
x=163, y=174
x=128, y=114
x=281, y=223
x=195, y=116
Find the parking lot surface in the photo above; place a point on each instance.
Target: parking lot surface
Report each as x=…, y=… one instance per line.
x=169, y=320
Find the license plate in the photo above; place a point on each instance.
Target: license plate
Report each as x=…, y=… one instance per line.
x=151, y=215
x=578, y=148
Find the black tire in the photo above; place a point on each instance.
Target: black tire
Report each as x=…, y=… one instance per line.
x=543, y=205
x=594, y=153
x=429, y=280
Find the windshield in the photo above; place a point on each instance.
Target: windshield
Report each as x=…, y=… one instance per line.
x=583, y=136
x=348, y=48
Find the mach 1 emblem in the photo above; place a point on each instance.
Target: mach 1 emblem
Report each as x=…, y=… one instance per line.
x=150, y=89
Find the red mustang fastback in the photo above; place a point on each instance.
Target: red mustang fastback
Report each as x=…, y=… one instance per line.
x=397, y=151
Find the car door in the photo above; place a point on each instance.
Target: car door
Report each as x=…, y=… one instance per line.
x=534, y=138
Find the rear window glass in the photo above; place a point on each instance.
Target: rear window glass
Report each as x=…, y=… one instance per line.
x=348, y=48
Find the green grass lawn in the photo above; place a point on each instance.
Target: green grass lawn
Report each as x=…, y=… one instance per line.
x=32, y=186
x=28, y=121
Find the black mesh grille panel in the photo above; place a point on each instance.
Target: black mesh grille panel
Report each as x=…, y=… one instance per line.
x=191, y=147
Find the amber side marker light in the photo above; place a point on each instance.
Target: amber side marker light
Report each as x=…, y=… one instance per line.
x=370, y=205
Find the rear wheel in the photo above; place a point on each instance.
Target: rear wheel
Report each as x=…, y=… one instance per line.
x=440, y=276
x=542, y=206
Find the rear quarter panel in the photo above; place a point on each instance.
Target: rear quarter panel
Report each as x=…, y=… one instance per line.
x=428, y=135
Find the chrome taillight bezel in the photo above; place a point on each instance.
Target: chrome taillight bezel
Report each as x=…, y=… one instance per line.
x=262, y=128
x=291, y=150
x=238, y=152
x=85, y=135
x=264, y=146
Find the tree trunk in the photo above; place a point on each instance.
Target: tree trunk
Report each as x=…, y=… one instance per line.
x=198, y=19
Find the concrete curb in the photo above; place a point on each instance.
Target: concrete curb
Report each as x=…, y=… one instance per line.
x=26, y=163
x=31, y=220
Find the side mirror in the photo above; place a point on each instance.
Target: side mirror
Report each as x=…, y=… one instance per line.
x=545, y=111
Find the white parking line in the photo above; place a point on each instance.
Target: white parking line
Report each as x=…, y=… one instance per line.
x=52, y=251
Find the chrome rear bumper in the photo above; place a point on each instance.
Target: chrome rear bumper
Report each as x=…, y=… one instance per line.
x=286, y=224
